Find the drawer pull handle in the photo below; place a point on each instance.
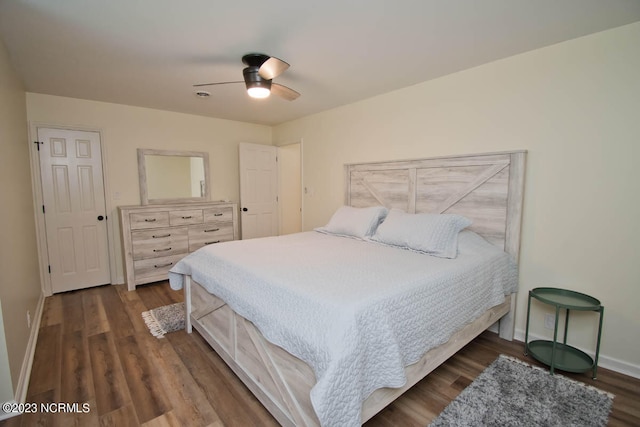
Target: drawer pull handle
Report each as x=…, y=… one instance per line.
x=187, y=217
x=150, y=220
x=162, y=250
x=164, y=235
x=209, y=243
x=211, y=230
x=163, y=265
x=218, y=214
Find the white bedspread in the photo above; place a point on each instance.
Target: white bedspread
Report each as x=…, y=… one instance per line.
x=357, y=312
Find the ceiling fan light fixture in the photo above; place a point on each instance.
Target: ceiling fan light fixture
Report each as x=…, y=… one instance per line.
x=258, y=92
x=257, y=87
x=258, y=76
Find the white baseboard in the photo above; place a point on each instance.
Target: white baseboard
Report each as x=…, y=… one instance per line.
x=604, y=361
x=27, y=363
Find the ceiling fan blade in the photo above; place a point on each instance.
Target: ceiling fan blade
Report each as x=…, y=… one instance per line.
x=214, y=84
x=272, y=68
x=284, y=92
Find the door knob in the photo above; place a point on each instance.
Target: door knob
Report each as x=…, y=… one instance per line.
x=100, y=217
x=244, y=209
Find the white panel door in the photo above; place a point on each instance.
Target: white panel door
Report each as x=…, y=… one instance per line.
x=258, y=190
x=74, y=208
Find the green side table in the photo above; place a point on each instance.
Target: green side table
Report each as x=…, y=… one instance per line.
x=561, y=355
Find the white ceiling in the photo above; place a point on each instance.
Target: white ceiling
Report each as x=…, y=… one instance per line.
x=149, y=53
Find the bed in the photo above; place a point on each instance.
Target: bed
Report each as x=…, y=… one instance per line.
x=357, y=344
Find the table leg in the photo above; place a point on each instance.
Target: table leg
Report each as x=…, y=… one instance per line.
x=566, y=327
x=595, y=361
x=526, y=329
x=555, y=339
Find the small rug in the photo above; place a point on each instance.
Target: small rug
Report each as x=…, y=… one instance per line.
x=165, y=319
x=510, y=392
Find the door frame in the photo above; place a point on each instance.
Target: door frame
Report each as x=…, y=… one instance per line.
x=279, y=146
x=38, y=201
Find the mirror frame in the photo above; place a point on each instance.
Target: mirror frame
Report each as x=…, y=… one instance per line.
x=142, y=176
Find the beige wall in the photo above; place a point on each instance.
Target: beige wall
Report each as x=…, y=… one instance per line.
x=575, y=107
x=6, y=385
x=125, y=129
x=20, y=280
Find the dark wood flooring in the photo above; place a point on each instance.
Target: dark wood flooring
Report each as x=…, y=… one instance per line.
x=94, y=348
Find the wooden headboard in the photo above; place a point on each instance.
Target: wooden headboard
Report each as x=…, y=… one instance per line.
x=486, y=188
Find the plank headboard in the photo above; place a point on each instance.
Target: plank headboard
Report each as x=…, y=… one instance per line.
x=486, y=188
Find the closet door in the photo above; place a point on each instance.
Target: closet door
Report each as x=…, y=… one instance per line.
x=74, y=208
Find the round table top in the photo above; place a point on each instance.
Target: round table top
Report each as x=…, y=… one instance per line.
x=566, y=299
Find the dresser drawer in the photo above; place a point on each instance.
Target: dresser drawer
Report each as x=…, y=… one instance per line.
x=202, y=235
x=150, y=270
x=159, y=242
x=149, y=220
x=221, y=214
x=185, y=217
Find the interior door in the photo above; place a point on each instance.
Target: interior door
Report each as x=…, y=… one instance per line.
x=258, y=190
x=74, y=208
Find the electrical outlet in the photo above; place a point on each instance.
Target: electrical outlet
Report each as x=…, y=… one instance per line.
x=549, y=320
x=28, y=319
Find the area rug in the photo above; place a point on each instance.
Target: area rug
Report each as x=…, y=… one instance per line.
x=510, y=392
x=165, y=319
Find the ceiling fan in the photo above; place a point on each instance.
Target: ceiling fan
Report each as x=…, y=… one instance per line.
x=258, y=75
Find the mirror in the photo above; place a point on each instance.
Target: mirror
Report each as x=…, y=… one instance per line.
x=173, y=176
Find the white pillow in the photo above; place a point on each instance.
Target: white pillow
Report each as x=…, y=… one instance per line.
x=433, y=234
x=355, y=222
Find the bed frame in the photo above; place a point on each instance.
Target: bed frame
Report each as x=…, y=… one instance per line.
x=486, y=188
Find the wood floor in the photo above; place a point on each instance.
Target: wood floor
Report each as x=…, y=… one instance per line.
x=94, y=348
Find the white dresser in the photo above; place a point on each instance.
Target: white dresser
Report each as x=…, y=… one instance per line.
x=155, y=237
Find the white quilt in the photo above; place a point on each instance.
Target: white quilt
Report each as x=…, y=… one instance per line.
x=357, y=312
